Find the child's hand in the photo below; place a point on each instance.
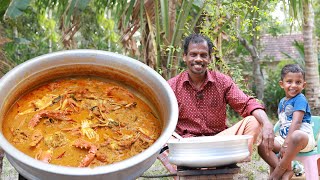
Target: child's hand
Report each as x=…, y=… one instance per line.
x=283, y=150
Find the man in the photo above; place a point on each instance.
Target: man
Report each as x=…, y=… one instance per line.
x=203, y=96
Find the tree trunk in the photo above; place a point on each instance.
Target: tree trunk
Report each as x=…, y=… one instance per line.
x=257, y=74
x=258, y=77
x=311, y=63
x=172, y=20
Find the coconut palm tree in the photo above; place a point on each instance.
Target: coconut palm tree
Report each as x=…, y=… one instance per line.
x=311, y=60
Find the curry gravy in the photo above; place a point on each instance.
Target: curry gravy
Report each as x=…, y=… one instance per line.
x=81, y=122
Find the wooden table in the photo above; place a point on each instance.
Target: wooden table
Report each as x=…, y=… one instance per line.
x=223, y=172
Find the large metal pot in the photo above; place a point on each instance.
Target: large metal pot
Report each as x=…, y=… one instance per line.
x=142, y=79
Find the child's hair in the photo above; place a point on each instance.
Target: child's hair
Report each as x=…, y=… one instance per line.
x=293, y=68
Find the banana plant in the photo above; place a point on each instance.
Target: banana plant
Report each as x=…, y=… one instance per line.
x=150, y=30
x=15, y=8
x=159, y=26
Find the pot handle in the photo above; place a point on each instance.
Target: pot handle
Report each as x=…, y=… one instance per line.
x=164, y=148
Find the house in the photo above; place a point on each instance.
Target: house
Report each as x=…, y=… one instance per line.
x=274, y=47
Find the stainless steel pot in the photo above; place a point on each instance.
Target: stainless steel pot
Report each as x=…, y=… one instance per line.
x=132, y=73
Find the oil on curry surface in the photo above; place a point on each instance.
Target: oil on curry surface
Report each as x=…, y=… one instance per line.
x=81, y=122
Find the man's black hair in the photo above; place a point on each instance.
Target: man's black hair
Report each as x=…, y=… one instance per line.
x=293, y=68
x=197, y=38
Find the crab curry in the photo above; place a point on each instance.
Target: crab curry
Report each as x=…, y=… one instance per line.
x=81, y=122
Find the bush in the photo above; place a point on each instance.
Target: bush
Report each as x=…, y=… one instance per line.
x=273, y=93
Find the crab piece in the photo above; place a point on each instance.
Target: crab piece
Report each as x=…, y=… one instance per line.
x=71, y=103
x=146, y=138
x=19, y=136
x=41, y=104
x=109, y=122
x=145, y=135
x=80, y=143
x=143, y=131
x=95, y=110
x=85, y=93
x=131, y=105
x=75, y=130
x=44, y=156
x=87, y=130
x=58, y=115
x=27, y=111
x=101, y=156
x=36, y=137
x=119, y=91
x=55, y=140
x=127, y=141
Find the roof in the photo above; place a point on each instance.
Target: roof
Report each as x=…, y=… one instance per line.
x=274, y=46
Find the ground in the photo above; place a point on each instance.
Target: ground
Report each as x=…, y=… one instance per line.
x=256, y=169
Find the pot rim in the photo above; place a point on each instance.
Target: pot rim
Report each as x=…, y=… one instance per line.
x=155, y=148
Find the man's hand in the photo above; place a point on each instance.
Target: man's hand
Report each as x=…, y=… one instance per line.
x=267, y=130
x=267, y=137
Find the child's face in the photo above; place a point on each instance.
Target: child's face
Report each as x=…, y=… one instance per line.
x=292, y=84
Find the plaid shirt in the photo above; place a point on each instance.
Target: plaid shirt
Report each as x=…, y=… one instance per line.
x=203, y=111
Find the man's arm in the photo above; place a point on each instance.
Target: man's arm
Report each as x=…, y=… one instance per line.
x=267, y=129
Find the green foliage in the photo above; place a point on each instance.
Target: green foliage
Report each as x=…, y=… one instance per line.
x=188, y=15
x=232, y=116
x=39, y=29
x=239, y=73
x=98, y=31
x=32, y=39
x=300, y=48
x=4, y=4
x=275, y=27
x=16, y=8
x=273, y=92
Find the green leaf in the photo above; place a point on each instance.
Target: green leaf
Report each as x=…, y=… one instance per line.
x=21, y=41
x=16, y=8
x=165, y=16
x=83, y=4
x=4, y=5
x=70, y=11
x=129, y=13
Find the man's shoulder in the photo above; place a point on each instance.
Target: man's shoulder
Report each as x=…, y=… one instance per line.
x=177, y=77
x=219, y=77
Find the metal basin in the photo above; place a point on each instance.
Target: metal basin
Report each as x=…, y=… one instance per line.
x=208, y=151
x=146, y=83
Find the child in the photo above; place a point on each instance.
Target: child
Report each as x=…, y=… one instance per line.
x=296, y=133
